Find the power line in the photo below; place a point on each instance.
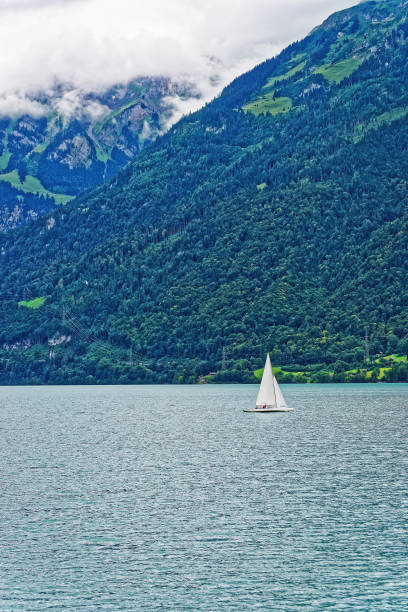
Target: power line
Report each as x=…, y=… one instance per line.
x=224, y=359
x=86, y=336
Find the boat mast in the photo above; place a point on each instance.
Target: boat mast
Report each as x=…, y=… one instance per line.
x=273, y=383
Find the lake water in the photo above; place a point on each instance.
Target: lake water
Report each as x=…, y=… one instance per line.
x=171, y=498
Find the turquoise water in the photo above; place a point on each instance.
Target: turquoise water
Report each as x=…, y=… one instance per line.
x=171, y=498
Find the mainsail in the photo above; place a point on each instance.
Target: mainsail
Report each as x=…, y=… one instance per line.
x=270, y=396
x=267, y=395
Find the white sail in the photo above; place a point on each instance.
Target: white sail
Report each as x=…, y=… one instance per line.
x=280, y=400
x=267, y=395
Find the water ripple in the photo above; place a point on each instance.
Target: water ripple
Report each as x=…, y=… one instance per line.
x=170, y=498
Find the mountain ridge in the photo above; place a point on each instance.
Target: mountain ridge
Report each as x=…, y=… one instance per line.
x=78, y=141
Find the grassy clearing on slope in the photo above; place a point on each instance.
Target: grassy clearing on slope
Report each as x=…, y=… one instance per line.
x=396, y=358
x=40, y=148
x=269, y=105
x=98, y=127
x=33, y=185
x=388, y=117
x=366, y=372
x=297, y=58
x=101, y=155
x=258, y=373
x=4, y=160
x=283, y=77
x=277, y=370
x=34, y=304
x=335, y=73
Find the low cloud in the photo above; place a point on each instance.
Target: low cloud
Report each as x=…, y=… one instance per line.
x=74, y=103
x=93, y=44
x=15, y=104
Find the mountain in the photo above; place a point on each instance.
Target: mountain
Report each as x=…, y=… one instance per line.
x=74, y=141
x=275, y=218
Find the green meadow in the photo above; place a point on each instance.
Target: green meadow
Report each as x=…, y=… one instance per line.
x=268, y=104
x=33, y=304
x=335, y=73
x=378, y=370
x=32, y=185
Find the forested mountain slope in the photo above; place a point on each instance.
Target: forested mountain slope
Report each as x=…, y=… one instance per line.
x=273, y=219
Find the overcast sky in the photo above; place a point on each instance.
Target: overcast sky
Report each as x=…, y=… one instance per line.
x=93, y=44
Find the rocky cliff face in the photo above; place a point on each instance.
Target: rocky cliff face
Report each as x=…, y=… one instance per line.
x=79, y=141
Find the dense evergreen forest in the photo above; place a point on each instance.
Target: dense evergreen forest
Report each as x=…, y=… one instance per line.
x=275, y=218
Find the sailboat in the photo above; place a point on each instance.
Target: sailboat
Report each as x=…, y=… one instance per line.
x=270, y=398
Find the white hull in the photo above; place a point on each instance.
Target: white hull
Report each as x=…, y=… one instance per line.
x=264, y=410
